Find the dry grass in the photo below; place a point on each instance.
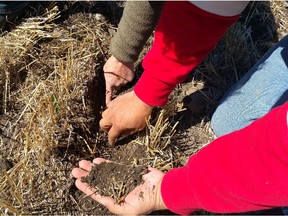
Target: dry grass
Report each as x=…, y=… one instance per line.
x=19, y=43
x=47, y=83
x=281, y=17
x=158, y=139
x=53, y=80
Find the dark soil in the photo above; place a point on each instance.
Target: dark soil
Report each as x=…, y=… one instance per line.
x=118, y=178
x=115, y=180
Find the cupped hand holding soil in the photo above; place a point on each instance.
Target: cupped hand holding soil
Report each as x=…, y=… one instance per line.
x=144, y=198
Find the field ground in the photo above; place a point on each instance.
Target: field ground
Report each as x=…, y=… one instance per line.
x=52, y=97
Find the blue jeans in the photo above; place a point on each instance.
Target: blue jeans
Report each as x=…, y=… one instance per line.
x=264, y=87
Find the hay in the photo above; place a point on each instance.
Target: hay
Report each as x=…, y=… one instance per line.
x=48, y=118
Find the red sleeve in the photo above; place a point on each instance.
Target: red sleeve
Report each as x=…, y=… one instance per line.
x=184, y=36
x=243, y=171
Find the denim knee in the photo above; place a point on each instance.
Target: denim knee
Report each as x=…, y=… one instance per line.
x=264, y=87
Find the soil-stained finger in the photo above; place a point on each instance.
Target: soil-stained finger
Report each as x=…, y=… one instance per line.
x=85, y=188
x=79, y=173
x=86, y=165
x=127, y=133
x=109, y=91
x=100, y=160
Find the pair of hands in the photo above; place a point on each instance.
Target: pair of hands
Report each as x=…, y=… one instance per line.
x=144, y=199
x=126, y=114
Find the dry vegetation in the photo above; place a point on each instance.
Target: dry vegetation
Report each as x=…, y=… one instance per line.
x=52, y=98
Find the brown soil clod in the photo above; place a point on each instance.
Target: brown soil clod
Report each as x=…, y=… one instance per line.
x=114, y=179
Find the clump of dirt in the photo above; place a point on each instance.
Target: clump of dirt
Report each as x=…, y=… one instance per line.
x=128, y=152
x=115, y=180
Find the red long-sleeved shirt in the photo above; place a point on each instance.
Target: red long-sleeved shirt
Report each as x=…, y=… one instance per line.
x=184, y=36
x=243, y=171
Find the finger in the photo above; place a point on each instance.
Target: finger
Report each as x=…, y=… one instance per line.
x=106, y=201
x=113, y=135
x=86, y=165
x=152, y=176
x=79, y=173
x=100, y=160
x=86, y=189
x=119, y=209
x=105, y=125
x=146, y=176
x=108, y=98
x=107, y=112
x=127, y=133
x=109, y=91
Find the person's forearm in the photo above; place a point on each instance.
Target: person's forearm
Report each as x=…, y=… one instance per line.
x=184, y=36
x=136, y=26
x=243, y=171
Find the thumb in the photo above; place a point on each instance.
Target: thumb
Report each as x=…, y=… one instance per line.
x=109, y=203
x=122, y=209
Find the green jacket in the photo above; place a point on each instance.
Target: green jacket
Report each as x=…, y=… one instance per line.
x=136, y=26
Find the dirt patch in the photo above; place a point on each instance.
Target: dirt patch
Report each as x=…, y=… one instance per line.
x=115, y=180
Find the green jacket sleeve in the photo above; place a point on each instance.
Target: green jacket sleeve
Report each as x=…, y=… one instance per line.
x=136, y=26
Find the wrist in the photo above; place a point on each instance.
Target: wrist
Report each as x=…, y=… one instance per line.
x=152, y=91
x=159, y=205
x=144, y=105
x=122, y=70
x=119, y=60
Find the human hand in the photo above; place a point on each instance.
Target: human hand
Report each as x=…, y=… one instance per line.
x=125, y=115
x=116, y=74
x=144, y=199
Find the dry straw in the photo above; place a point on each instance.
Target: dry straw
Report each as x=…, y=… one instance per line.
x=15, y=48
x=48, y=116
